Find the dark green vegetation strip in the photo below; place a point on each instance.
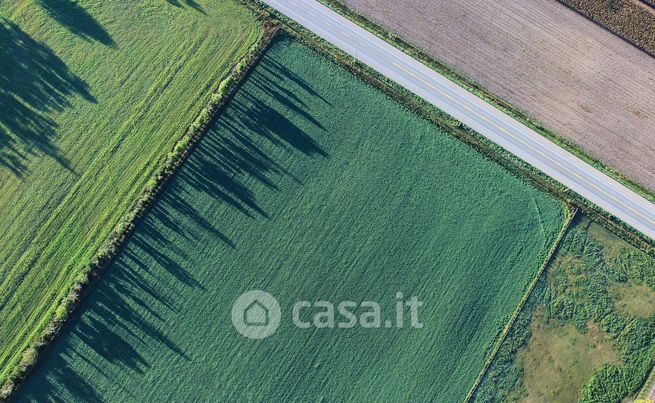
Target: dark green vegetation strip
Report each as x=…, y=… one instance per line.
x=310, y=185
x=94, y=95
x=485, y=146
x=580, y=288
x=632, y=20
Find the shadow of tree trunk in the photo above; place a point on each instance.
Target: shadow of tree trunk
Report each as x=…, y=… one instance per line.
x=74, y=17
x=33, y=82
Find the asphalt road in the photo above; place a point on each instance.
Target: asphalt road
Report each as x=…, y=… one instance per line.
x=482, y=117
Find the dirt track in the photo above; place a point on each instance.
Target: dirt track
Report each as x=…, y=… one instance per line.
x=579, y=80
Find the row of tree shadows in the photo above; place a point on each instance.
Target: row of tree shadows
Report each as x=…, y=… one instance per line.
x=35, y=81
x=231, y=155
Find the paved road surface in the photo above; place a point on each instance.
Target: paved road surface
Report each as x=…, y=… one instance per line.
x=474, y=112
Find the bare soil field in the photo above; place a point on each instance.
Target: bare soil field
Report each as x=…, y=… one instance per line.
x=579, y=80
x=633, y=20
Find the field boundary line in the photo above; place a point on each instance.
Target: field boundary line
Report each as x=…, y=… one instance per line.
x=572, y=211
x=85, y=280
x=648, y=385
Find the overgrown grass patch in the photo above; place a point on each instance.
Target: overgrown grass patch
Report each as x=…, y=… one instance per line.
x=637, y=300
x=310, y=185
x=599, y=292
x=559, y=358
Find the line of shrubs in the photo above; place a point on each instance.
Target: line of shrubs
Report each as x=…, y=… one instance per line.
x=174, y=159
x=629, y=19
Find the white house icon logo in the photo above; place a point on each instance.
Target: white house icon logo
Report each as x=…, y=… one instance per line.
x=256, y=314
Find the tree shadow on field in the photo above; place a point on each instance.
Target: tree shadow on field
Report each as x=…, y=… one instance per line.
x=190, y=3
x=74, y=17
x=33, y=82
x=122, y=327
x=122, y=318
x=236, y=150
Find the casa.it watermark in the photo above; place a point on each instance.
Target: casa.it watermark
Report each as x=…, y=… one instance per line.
x=257, y=314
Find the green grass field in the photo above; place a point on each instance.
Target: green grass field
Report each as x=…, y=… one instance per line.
x=92, y=97
x=311, y=185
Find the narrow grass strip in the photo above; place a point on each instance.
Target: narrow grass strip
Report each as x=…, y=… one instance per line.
x=645, y=390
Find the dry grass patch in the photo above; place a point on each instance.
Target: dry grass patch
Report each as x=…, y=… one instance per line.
x=559, y=359
x=635, y=299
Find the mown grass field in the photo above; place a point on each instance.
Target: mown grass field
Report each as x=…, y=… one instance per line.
x=92, y=97
x=310, y=185
x=587, y=332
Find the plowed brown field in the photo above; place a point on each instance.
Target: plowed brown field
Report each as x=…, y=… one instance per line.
x=581, y=81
